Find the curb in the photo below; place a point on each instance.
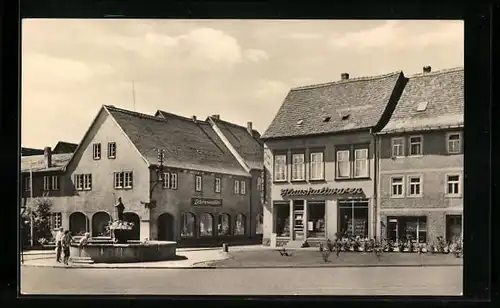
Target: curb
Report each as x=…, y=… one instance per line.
x=335, y=266
x=117, y=267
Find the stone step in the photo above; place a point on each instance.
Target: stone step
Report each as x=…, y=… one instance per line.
x=86, y=260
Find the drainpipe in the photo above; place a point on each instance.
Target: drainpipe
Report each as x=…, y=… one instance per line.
x=375, y=181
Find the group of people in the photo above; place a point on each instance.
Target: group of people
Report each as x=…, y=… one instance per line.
x=63, y=242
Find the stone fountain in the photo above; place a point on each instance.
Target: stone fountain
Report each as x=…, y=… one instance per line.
x=120, y=249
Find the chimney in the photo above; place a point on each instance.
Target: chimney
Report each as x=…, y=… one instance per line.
x=427, y=69
x=344, y=76
x=47, y=155
x=194, y=118
x=216, y=116
x=249, y=128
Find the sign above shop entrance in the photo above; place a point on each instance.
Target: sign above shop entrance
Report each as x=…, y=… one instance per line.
x=325, y=191
x=206, y=202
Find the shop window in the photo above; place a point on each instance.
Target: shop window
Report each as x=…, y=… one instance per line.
x=239, y=228
x=404, y=228
x=280, y=173
x=223, y=225
x=206, y=224
x=316, y=219
x=353, y=218
x=259, y=224
x=453, y=227
x=282, y=219
x=188, y=227
x=298, y=167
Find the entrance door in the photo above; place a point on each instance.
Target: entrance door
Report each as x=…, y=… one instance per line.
x=166, y=227
x=298, y=220
x=392, y=230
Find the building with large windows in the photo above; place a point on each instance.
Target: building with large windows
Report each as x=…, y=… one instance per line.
x=206, y=190
x=319, y=157
x=421, y=160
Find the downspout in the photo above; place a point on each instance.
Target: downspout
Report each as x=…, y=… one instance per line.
x=375, y=181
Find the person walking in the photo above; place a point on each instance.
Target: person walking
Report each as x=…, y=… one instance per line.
x=66, y=242
x=59, y=236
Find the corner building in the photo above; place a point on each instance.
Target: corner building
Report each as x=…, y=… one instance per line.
x=319, y=156
x=207, y=192
x=421, y=160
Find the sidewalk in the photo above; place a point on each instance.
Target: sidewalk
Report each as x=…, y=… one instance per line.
x=193, y=257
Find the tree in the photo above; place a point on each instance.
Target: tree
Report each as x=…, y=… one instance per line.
x=41, y=218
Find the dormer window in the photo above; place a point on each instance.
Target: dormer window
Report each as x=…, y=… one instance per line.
x=422, y=106
x=299, y=122
x=327, y=119
x=345, y=117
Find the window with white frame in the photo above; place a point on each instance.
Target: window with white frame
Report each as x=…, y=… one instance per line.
x=398, y=147
x=280, y=173
x=414, y=186
x=343, y=164
x=415, y=145
x=123, y=180
x=166, y=180
x=397, y=184
x=243, y=187
x=50, y=182
x=96, y=151
x=173, y=180
x=217, y=185
x=83, y=181
x=55, y=220
x=453, y=143
x=27, y=183
x=453, y=185
x=236, y=187
x=111, y=149
x=198, y=183
x=298, y=167
x=317, y=166
x=361, y=163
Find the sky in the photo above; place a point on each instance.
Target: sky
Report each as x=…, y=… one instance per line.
x=240, y=69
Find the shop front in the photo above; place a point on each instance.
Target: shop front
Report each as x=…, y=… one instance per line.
x=319, y=214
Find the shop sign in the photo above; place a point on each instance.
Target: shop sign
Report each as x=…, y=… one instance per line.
x=206, y=202
x=325, y=191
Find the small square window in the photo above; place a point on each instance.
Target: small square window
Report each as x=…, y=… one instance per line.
x=416, y=145
x=453, y=143
x=397, y=186
x=414, y=186
x=398, y=147
x=453, y=185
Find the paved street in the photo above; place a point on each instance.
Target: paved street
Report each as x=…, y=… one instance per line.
x=284, y=281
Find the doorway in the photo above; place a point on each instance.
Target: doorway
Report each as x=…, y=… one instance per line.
x=298, y=219
x=166, y=227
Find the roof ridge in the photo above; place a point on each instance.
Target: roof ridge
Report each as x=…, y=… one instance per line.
x=180, y=117
x=440, y=72
x=365, y=78
x=133, y=113
x=227, y=122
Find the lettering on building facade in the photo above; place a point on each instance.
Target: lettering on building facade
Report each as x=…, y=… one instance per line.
x=325, y=191
x=206, y=202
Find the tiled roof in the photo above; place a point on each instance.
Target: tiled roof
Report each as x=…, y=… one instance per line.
x=248, y=146
x=31, y=151
x=187, y=143
x=443, y=94
x=65, y=147
x=37, y=162
x=350, y=104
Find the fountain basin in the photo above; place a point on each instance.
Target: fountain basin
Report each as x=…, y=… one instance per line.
x=123, y=253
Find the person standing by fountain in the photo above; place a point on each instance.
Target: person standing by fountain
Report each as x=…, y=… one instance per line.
x=66, y=242
x=119, y=209
x=59, y=236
